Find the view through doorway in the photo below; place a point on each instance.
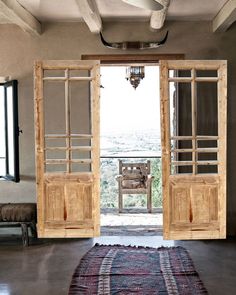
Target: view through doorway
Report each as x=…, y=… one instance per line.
x=130, y=131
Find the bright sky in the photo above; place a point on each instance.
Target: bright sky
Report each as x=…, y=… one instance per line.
x=124, y=109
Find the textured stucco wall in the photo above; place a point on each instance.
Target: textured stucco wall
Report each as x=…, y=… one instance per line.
x=18, y=50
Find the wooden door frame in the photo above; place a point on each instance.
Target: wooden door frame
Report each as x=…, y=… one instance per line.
x=113, y=59
x=129, y=59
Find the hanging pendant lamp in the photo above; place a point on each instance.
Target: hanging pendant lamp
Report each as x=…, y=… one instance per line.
x=135, y=74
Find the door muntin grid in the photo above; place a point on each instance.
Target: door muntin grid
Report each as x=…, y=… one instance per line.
x=194, y=148
x=69, y=149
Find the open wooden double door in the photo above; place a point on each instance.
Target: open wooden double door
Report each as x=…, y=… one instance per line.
x=193, y=123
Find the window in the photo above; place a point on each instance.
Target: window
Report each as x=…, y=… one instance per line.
x=9, y=132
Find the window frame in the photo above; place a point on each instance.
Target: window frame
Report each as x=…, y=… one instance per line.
x=16, y=169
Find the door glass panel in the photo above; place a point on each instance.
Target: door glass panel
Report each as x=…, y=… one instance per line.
x=181, y=144
x=207, y=143
x=54, y=113
x=179, y=73
x=77, y=167
x=207, y=169
x=52, y=142
x=206, y=73
x=181, y=168
x=51, y=168
x=207, y=156
x=80, y=107
x=207, y=109
x=54, y=73
x=2, y=123
x=79, y=73
x=181, y=116
x=2, y=133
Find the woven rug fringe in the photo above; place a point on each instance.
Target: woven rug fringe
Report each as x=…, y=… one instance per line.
x=140, y=247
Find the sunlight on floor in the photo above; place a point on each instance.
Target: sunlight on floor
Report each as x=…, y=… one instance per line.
x=122, y=219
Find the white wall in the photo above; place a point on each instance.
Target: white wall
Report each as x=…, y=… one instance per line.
x=18, y=51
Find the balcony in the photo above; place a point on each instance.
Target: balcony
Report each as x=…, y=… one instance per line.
x=135, y=220
x=109, y=186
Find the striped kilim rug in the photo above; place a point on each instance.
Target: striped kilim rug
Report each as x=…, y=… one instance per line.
x=126, y=270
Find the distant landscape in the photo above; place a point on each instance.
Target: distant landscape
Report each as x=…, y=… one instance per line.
x=142, y=145
x=137, y=143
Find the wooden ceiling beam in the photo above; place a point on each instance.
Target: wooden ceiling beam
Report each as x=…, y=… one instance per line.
x=16, y=14
x=226, y=16
x=90, y=14
x=158, y=17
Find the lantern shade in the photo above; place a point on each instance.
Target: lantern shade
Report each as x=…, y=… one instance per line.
x=135, y=74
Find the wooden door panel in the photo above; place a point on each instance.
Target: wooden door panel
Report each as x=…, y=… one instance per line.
x=200, y=204
x=204, y=201
x=193, y=152
x=54, y=202
x=193, y=203
x=180, y=199
x=78, y=201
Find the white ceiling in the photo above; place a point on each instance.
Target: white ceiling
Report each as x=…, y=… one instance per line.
x=29, y=14
x=67, y=10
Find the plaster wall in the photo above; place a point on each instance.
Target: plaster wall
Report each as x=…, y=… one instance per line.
x=18, y=50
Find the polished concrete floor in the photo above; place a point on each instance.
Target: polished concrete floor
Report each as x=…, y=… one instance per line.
x=46, y=267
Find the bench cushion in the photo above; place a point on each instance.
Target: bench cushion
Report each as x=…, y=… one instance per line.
x=18, y=212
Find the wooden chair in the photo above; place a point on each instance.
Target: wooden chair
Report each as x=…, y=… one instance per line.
x=135, y=178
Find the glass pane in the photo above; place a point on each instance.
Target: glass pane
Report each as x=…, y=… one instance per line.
x=79, y=73
x=56, y=142
x=179, y=73
x=80, y=142
x=54, y=73
x=173, y=108
x=206, y=73
x=56, y=154
x=207, y=143
x=2, y=127
x=56, y=168
x=207, y=156
x=77, y=167
x=10, y=131
x=181, y=169
x=207, y=109
x=184, y=156
x=180, y=109
x=54, y=107
x=80, y=107
x=79, y=154
x=207, y=169
x=181, y=144
x=185, y=169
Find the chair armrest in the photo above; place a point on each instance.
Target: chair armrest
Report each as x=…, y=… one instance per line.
x=149, y=178
x=119, y=178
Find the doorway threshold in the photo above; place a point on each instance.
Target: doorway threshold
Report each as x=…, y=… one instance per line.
x=131, y=230
x=131, y=222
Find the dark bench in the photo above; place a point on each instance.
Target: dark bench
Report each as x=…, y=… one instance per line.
x=22, y=215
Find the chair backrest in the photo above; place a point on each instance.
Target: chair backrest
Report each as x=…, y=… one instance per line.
x=145, y=168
